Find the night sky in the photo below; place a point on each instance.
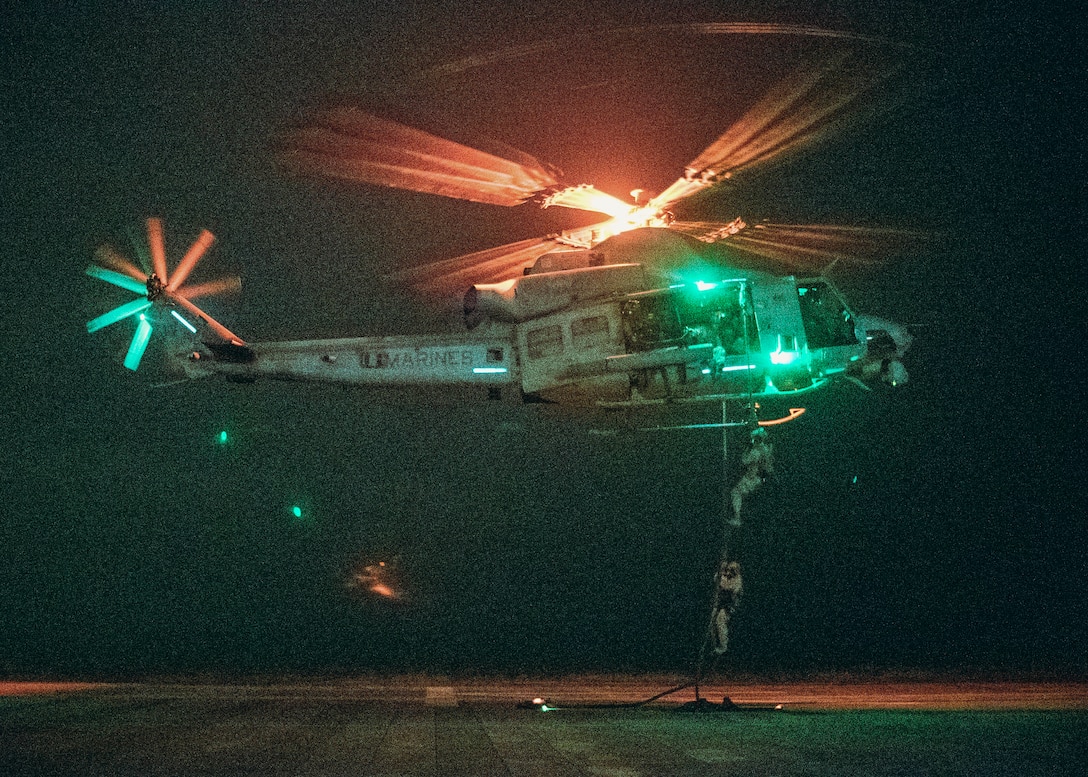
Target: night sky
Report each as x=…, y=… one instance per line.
x=938, y=526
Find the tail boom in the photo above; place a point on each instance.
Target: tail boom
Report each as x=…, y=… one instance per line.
x=400, y=360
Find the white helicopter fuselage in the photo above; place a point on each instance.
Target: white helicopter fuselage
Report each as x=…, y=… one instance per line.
x=598, y=336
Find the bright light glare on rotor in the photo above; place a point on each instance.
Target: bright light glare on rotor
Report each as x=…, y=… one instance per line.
x=184, y=323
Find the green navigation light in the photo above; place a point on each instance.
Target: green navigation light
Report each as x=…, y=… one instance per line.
x=785, y=355
x=223, y=438
x=296, y=511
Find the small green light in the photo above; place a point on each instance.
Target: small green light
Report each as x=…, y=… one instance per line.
x=223, y=438
x=184, y=323
x=296, y=511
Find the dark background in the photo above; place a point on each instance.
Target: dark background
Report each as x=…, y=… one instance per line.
x=939, y=526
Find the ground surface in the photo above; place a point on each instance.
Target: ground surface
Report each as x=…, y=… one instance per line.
x=432, y=726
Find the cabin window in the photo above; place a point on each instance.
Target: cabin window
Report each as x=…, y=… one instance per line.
x=589, y=332
x=717, y=315
x=650, y=322
x=546, y=341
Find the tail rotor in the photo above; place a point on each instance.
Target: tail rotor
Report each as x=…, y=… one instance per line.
x=158, y=290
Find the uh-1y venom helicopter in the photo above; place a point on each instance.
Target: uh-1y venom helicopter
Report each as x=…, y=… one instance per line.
x=612, y=314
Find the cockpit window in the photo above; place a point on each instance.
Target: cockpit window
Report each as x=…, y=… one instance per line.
x=826, y=319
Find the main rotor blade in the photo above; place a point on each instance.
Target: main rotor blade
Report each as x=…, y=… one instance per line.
x=357, y=146
x=117, y=279
x=455, y=275
x=585, y=197
x=199, y=247
x=812, y=246
x=118, y=313
x=688, y=30
x=157, y=247
x=229, y=285
x=808, y=104
x=215, y=326
x=138, y=345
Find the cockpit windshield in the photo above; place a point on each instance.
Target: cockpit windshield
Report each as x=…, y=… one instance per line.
x=827, y=320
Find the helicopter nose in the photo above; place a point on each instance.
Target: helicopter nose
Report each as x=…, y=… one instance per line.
x=895, y=374
x=880, y=329
x=899, y=334
x=887, y=342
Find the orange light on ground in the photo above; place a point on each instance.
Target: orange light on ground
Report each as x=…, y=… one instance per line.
x=381, y=589
x=380, y=579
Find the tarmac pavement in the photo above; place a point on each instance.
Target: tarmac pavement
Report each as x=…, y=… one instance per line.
x=591, y=726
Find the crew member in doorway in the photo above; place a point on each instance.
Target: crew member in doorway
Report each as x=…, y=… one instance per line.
x=730, y=587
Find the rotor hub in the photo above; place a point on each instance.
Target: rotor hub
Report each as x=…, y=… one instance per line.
x=155, y=288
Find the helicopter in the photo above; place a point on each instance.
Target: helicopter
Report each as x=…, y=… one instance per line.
x=623, y=313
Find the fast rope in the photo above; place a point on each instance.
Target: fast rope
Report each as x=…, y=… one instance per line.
x=728, y=585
